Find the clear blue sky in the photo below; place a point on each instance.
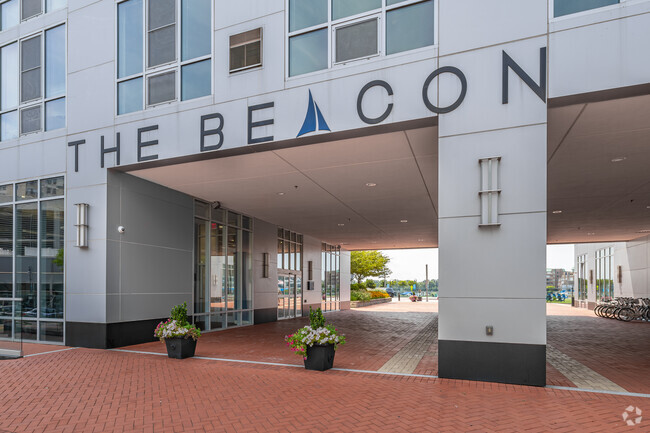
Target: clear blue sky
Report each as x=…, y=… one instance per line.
x=409, y=264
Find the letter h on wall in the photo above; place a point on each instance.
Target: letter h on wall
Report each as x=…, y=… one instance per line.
x=490, y=191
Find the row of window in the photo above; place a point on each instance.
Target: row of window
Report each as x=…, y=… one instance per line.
x=33, y=83
x=330, y=277
x=323, y=33
x=31, y=259
x=12, y=12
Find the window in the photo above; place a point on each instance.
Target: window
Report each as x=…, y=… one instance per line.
x=150, y=59
x=33, y=84
x=582, y=277
x=32, y=236
x=326, y=33
x=223, y=287
x=567, y=7
x=604, y=273
x=330, y=277
x=246, y=50
x=13, y=11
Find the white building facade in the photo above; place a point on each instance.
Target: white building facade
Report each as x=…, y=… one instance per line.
x=230, y=154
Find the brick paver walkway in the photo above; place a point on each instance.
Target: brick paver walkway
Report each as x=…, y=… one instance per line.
x=84, y=390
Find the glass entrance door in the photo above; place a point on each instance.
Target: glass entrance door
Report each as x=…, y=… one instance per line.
x=289, y=296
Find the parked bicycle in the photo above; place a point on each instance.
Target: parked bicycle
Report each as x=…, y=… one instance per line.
x=625, y=309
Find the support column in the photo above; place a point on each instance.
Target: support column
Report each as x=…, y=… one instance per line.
x=492, y=212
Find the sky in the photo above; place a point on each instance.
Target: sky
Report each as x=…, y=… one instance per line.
x=410, y=264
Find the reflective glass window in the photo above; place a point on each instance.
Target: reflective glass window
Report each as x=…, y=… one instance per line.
x=129, y=38
x=52, y=253
x=9, y=14
x=566, y=7
x=55, y=62
x=9, y=76
x=195, y=28
x=6, y=254
x=9, y=126
x=245, y=50
x=356, y=40
x=6, y=193
x=55, y=114
x=51, y=5
x=129, y=96
x=307, y=13
x=26, y=257
x=196, y=80
x=27, y=190
x=52, y=331
x=410, y=27
x=308, y=52
x=346, y=8
x=52, y=187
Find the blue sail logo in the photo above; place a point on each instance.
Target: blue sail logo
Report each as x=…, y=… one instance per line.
x=314, y=120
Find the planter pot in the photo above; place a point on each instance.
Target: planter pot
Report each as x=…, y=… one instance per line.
x=180, y=348
x=320, y=357
x=413, y=298
x=420, y=298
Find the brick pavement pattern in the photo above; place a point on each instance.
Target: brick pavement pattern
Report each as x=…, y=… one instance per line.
x=85, y=390
x=579, y=374
x=410, y=356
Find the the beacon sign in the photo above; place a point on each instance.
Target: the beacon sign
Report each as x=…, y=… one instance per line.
x=314, y=120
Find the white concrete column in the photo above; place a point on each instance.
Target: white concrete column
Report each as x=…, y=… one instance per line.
x=492, y=267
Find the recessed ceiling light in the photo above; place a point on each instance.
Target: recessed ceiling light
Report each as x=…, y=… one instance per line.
x=280, y=193
x=420, y=240
x=371, y=184
x=403, y=221
x=644, y=231
x=340, y=224
x=557, y=211
x=591, y=234
x=619, y=159
x=647, y=207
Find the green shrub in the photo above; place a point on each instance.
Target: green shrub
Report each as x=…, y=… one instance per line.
x=359, y=295
x=358, y=286
x=316, y=319
x=370, y=284
x=179, y=314
x=379, y=294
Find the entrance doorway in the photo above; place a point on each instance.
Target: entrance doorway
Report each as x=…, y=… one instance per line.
x=289, y=296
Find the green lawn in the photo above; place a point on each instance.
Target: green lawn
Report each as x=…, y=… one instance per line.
x=566, y=301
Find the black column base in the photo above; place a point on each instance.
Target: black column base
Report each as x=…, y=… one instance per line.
x=110, y=335
x=518, y=364
x=265, y=315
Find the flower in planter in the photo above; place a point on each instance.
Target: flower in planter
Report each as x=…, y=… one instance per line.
x=316, y=333
x=177, y=326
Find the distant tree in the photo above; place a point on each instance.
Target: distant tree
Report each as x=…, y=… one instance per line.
x=364, y=264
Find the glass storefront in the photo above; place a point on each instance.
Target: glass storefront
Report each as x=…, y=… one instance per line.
x=31, y=259
x=330, y=277
x=582, y=277
x=290, y=251
x=223, y=271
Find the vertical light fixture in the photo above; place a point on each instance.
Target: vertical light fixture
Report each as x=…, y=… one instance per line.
x=310, y=270
x=82, y=225
x=490, y=191
x=265, y=265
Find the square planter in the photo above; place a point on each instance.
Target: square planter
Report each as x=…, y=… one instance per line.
x=320, y=357
x=180, y=348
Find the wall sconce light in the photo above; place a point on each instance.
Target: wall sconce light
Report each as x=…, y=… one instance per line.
x=265, y=265
x=82, y=225
x=591, y=276
x=620, y=275
x=310, y=270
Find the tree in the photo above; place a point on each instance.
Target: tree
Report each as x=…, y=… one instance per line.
x=364, y=264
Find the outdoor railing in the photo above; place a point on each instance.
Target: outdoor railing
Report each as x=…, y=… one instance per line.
x=11, y=336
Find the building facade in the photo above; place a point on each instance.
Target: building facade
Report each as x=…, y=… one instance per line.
x=605, y=271
x=230, y=154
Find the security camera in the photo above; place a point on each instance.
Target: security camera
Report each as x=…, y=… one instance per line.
x=216, y=205
x=121, y=229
